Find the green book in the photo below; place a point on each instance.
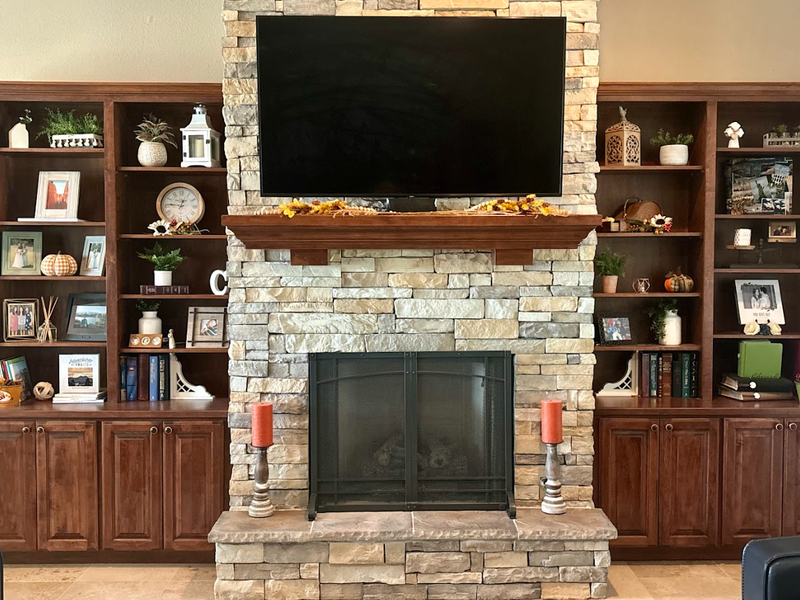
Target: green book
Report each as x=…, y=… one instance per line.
x=686, y=374
x=676, y=375
x=760, y=359
x=654, y=374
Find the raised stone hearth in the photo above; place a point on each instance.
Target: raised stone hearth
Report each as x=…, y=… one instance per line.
x=413, y=556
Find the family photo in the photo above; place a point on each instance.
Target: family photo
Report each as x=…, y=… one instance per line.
x=22, y=253
x=759, y=301
x=20, y=319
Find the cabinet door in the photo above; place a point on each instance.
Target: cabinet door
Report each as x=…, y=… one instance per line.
x=132, y=485
x=66, y=485
x=18, y=500
x=629, y=478
x=194, y=453
x=752, y=479
x=689, y=482
x=791, y=478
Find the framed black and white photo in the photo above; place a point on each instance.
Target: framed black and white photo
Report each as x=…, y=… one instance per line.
x=759, y=300
x=20, y=319
x=79, y=374
x=782, y=231
x=57, y=198
x=206, y=327
x=22, y=252
x=614, y=330
x=93, y=258
x=86, y=318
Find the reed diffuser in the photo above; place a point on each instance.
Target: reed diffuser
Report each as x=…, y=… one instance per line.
x=47, y=331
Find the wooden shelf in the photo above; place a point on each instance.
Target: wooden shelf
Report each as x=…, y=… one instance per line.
x=651, y=169
x=176, y=170
x=641, y=234
x=169, y=409
x=512, y=237
x=742, y=336
x=59, y=344
x=46, y=278
x=775, y=151
x=759, y=217
x=756, y=270
x=173, y=350
x=648, y=348
x=169, y=238
x=649, y=295
x=52, y=223
x=172, y=297
x=61, y=152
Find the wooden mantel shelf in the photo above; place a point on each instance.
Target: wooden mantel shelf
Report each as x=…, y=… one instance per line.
x=309, y=237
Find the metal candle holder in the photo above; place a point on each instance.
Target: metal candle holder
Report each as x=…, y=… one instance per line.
x=553, y=503
x=261, y=506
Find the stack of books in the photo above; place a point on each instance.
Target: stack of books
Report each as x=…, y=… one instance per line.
x=144, y=377
x=752, y=389
x=669, y=374
x=69, y=398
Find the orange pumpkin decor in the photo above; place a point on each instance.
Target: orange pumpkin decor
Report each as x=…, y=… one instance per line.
x=59, y=265
x=678, y=282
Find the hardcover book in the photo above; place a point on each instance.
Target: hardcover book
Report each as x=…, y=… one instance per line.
x=760, y=359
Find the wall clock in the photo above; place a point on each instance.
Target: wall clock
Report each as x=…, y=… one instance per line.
x=181, y=202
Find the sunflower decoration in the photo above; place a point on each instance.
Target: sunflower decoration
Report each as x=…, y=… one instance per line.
x=163, y=228
x=160, y=228
x=333, y=207
x=530, y=205
x=660, y=224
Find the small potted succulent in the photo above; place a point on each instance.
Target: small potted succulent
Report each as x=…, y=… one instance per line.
x=150, y=323
x=65, y=130
x=609, y=265
x=673, y=151
x=153, y=133
x=165, y=262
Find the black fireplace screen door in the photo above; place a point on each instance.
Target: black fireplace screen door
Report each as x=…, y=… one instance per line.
x=411, y=431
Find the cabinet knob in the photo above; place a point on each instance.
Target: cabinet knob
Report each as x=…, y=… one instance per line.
x=40, y=430
x=654, y=427
x=779, y=427
x=668, y=427
x=154, y=430
x=793, y=426
x=167, y=430
x=26, y=429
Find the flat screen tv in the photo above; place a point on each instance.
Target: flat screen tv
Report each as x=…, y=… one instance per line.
x=424, y=107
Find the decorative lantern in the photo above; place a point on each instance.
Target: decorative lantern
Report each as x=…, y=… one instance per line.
x=201, y=144
x=624, y=143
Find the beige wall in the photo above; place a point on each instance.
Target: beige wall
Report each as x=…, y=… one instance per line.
x=179, y=40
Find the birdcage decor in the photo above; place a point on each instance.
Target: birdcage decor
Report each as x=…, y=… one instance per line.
x=624, y=143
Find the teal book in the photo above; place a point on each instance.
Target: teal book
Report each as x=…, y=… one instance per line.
x=676, y=375
x=695, y=391
x=686, y=374
x=654, y=374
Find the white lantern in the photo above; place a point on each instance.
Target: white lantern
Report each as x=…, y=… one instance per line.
x=201, y=144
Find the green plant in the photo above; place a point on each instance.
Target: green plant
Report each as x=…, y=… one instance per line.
x=162, y=259
x=58, y=123
x=664, y=138
x=782, y=129
x=90, y=123
x=659, y=314
x=153, y=129
x=609, y=263
x=26, y=118
x=147, y=305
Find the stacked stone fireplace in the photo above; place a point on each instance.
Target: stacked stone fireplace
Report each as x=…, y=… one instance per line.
x=399, y=301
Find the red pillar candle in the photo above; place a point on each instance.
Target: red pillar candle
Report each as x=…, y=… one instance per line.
x=262, y=424
x=551, y=422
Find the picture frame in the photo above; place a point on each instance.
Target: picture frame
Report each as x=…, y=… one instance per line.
x=93, y=257
x=759, y=300
x=145, y=340
x=20, y=318
x=614, y=330
x=21, y=253
x=57, y=195
x=16, y=369
x=783, y=231
x=79, y=374
x=205, y=327
x=86, y=318
x=760, y=185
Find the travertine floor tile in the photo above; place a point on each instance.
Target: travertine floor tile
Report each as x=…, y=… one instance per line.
x=625, y=583
x=196, y=573
x=120, y=590
x=34, y=590
x=701, y=581
x=189, y=590
x=732, y=569
x=108, y=573
x=43, y=573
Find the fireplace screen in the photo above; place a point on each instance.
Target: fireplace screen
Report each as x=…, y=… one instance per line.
x=411, y=431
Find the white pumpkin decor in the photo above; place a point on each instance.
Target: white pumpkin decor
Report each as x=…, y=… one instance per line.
x=59, y=265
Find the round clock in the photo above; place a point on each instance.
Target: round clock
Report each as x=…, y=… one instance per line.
x=181, y=202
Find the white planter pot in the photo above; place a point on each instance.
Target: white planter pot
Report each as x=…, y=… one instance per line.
x=672, y=329
x=150, y=323
x=76, y=140
x=162, y=277
x=674, y=154
x=152, y=154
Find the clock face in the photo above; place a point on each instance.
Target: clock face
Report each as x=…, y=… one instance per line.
x=182, y=203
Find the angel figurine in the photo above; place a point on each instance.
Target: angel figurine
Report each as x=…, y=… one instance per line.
x=171, y=339
x=734, y=132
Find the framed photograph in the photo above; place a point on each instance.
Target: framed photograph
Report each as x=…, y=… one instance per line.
x=614, y=330
x=16, y=369
x=22, y=252
x=759, y=300
x=79, y=374
x=57, y=197
x=206, y=327
x=20, y=319
x=86, y=318
x=783, y=231
x=760, y=185
x=93, y=258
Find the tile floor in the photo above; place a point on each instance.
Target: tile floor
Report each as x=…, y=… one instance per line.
x=634, y=581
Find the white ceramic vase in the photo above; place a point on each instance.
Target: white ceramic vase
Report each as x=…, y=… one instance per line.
x=152, y=154
x=674, y=155
x=672, y=329
x=162, y=277
x=150, y=323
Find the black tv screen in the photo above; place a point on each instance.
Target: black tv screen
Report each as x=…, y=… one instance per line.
x=387, y=106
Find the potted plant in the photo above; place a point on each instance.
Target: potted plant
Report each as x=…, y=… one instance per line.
x=609, y=265
x=164, y=261
x=65, y=130
x=673, y=150
x=666, y=323
x=153, y=133
x=149, y=323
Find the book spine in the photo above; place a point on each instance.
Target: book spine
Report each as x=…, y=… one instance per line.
x=162, y=377
x=142, y=379
x=653, y=374
x=153, y=378
x=660, y=387
x=676, y=375
x=131, y=377
x=667, y=368
x=644, y=375
x=686, y=367
x=695, y=390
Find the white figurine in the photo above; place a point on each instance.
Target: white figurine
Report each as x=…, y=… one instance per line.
x=734, y=132
x=171, y=339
